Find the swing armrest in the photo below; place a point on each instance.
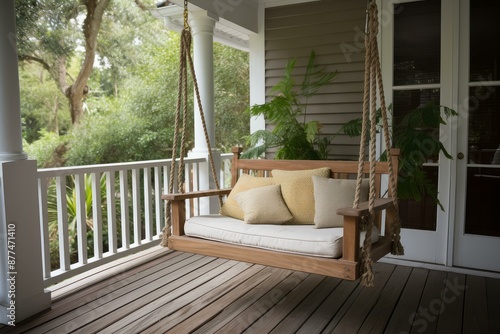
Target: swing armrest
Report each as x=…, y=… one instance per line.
x=178, y=208
x=196, y=194
x=352, y=221
x=362, y=210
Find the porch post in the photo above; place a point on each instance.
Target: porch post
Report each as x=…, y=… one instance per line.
x=202, y=24
x=21, y=278
x=11, y=144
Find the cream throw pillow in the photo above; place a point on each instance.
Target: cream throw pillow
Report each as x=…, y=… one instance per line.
x=298, y=192
x=245, y=182
x=333, y=194
x=264, y=205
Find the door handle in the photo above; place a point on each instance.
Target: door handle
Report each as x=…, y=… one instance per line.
x=460, y=156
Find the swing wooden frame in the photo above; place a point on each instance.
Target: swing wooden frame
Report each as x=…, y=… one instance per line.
x=347, y=267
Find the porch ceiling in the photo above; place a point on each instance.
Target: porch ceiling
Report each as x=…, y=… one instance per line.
x=235, y=21
x=225, y=32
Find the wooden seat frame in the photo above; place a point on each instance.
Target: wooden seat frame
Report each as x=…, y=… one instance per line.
x=347, y=267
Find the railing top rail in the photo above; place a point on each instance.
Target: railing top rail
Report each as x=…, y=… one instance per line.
x=113, y=167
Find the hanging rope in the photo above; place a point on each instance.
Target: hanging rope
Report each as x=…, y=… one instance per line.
x=180, y=126
x=373, y=79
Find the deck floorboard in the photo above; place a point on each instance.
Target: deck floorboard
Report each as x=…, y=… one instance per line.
x=185, y=293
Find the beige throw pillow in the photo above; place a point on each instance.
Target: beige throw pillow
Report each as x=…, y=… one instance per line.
x=298, y=192
x=333, y=194
x=245, y=182
x=264, y=205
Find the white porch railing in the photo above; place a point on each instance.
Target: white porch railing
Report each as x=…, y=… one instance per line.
x=92, y=215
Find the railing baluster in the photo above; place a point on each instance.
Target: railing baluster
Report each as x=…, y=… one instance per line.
x=166, y=176
x=226, y=172
x=81, y=218
x=148, y=207
x=44, y=225
x=110, y=203
x=195, y=174
x=136, y=204
x=97, y=214
x=124, y=208
x=166, y=183
x=187, y=187
x=158, y=200
x=62, y=223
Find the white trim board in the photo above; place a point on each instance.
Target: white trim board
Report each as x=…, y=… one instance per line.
x=433, y=266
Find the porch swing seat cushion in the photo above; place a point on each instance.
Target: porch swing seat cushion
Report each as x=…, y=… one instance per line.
x=297, y=239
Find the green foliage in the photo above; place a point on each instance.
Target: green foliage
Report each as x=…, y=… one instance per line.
x=132, y=99
x=126, y=31
x=43, y=149
x=71, y=209
x=43, y=106
x=294, y=139
x=138, y=124
x=115, y=137
x=27, y=15
x=232, y=96
x=47, y=28
x=417, y=136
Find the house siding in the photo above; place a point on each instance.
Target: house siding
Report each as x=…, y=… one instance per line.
x=333, y=29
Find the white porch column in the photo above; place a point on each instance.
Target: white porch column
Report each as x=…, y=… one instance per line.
x=21, y=278
x=202, y=26
x=11, y=144
x=258, y=70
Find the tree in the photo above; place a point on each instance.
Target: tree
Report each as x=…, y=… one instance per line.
x=76, y=91
x=43, y=106
x=62, y=27
x=131, y=104
x=232, y=96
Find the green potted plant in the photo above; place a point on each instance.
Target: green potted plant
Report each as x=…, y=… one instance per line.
x=415, y=134
x=292, y=136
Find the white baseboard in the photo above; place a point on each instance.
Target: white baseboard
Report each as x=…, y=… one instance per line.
x=433, y=266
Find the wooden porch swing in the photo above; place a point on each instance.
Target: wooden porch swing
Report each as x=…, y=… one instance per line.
x=356, y=260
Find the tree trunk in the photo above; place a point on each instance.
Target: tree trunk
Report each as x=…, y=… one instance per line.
x=77, y=91
x=75, y=99
x=56, y=118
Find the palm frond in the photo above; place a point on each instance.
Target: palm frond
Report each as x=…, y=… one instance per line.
x=254, y=152
x=293, y=139
x=416, y=134
x=311, y=130
x=316, y=77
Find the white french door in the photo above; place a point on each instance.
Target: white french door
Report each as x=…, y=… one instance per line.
x=416, y=69
x=448, y=51
x=477, y=229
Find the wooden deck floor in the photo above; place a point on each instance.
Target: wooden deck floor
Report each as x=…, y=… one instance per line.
x=185, y=293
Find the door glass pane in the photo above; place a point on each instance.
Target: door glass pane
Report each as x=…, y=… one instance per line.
x=483, y=197
x=405, y=101
x=484, y=46
x=421, y=215
x=484, y=124
x=417, y=39
x=483, y=182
